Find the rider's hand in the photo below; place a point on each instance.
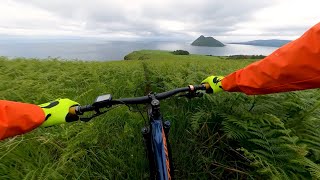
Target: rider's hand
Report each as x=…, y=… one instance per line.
x=57, y=112
x=215, y=83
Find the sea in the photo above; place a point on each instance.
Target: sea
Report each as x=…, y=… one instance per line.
x=114, y=50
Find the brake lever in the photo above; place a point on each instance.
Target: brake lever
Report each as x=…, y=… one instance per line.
x=98, y=113
x=200, y=94
x=191, y=95
x=85, y=119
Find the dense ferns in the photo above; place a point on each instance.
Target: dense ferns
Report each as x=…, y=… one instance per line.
x=273, y=136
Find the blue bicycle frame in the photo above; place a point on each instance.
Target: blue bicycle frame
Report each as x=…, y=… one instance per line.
x=155, y=134
x=160, y=150
x=157, y=145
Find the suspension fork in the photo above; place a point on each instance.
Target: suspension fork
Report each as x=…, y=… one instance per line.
x=146, y=133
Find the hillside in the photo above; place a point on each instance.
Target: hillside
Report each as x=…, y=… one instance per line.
x=217, y=136
x=207, y=41
x=270, y=42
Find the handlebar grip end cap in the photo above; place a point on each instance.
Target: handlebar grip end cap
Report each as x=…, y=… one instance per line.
x=72, y=110
x=207, y=85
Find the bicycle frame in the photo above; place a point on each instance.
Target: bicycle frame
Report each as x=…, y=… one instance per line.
x=157, y=145
x=155, y=134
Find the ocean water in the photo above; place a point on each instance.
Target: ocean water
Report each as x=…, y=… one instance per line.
x=114, y=50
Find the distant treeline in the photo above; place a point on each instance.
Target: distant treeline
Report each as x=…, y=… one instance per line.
x=245, y=57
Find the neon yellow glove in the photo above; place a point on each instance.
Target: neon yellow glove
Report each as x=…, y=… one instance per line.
x=57, y=112
x=215, y=83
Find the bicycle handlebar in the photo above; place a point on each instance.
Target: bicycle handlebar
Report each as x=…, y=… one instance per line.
x=79, y=110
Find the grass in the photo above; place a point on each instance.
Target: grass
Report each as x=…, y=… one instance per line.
x=110, y=146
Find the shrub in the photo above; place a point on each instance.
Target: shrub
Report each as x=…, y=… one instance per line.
x=126, y=57
x=180, y=52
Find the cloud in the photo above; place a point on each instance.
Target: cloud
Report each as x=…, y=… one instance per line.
x=143, y=18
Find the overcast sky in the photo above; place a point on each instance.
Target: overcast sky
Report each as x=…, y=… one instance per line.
x=226, y=20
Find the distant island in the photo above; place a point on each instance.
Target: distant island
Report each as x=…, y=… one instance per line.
x=269, y=42
x=207, y=41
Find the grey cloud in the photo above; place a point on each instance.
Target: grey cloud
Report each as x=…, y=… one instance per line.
x=288, y=30
x=208, y=17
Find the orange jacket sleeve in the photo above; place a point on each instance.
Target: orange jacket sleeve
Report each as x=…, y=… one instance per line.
x=18, y=118
x=294, y=66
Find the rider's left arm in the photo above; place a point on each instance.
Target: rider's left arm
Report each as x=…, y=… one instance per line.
x=18, y=118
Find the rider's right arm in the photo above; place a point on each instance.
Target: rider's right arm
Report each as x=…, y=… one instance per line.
x=295, y=66
x=18, y=118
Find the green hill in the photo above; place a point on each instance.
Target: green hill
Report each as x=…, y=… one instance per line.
x=207, y=41
x=220, y=136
